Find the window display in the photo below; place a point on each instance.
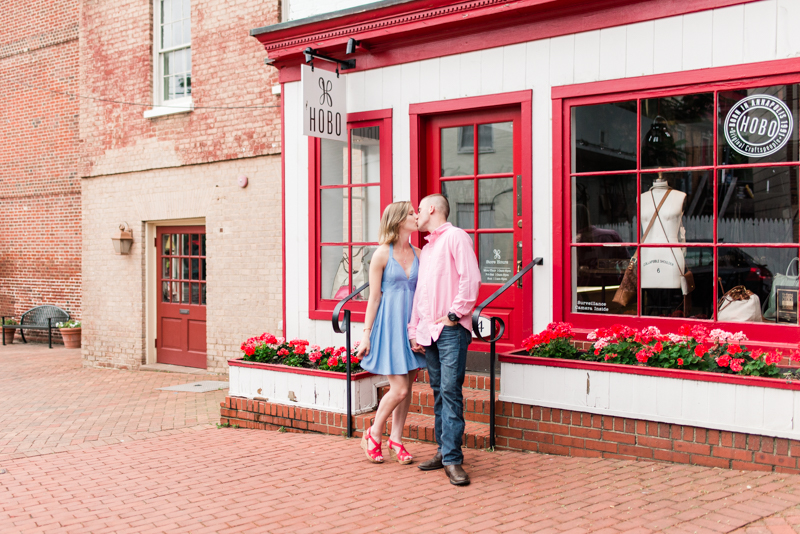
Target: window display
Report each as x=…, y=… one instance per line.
x=687, y=205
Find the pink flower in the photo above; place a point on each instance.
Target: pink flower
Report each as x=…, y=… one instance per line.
x=643, y=355
x=315, y=356
x=332, y=361
x=736, y=364
x=299, y=349
x=680, y=361
x=280, y=340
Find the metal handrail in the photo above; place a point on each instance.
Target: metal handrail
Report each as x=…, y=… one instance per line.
x=496, y=326
x=344, y=328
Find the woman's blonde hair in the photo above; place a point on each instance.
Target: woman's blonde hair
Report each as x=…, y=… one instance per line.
x=393, y=216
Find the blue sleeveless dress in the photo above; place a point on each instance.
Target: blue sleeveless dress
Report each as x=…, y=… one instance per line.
x=390, y=351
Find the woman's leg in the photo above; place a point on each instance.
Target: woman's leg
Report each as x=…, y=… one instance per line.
x=401, y=411
x=399, y=391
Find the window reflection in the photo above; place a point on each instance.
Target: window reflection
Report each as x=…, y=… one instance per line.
x=677, y=131
x=758, y=205
x=604, y=137
x=604, y=208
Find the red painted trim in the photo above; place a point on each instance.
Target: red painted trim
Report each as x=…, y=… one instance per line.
x=701, y=376
x=559, y=142
x=321, y=309
x=283, y=212
x=297, y=370
x=663, y=82
x=434, y=28
x=471, y=102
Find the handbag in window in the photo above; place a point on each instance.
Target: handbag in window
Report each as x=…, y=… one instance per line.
x=739, y=305
x=780, y=281
x=630, y=280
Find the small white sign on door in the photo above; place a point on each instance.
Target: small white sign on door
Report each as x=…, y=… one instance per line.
x=324, y=104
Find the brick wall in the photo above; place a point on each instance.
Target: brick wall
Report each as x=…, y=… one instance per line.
x=243, y=243
x=40, y=204
x=227, y=71
x=550, y=431
x=179, y=166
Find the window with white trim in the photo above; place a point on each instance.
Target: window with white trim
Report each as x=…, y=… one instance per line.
x=173, y=57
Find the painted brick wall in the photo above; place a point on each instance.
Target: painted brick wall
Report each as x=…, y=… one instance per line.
x=40, y=204
x=227, y=71
x=243, y=234
x=179, y=166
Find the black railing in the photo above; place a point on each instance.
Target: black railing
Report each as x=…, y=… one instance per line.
x=496, y=329
x=344, y=328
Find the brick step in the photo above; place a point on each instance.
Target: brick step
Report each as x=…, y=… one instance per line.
x=471, y=381
x=476, y=401
x=420, y=427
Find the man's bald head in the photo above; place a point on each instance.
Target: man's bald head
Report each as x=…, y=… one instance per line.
x=440, y=203
x=433, y=212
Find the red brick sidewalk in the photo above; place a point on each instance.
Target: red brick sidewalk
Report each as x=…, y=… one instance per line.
x=50, y=403
x=201, y=479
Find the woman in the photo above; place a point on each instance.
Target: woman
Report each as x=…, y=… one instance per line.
x=384, y=347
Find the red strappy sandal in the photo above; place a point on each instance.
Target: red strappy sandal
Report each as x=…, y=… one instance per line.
x=374, y=454
x=402, y=457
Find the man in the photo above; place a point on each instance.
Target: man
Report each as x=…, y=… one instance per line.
x=447, y=289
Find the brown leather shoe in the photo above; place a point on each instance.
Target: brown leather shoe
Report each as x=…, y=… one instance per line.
x=458, y=477
x=433, y=463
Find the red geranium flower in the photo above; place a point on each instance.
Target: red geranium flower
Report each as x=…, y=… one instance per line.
x=680, y=361
x=700, y=350
x=734, y=349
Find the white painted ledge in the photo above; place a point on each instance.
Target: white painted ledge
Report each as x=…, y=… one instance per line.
x=171, y=107
x=757, y=410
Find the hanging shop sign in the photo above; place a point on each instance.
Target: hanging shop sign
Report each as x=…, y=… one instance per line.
x=758, y=126
x=324, y=104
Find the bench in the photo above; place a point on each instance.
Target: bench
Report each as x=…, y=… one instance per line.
x=39, y=318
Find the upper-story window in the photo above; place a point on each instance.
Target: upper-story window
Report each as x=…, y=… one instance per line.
x=173, y=43
x=700, y=182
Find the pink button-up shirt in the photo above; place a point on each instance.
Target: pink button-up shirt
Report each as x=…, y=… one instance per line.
x=448, y=280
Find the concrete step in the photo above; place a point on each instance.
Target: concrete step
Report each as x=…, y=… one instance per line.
x=476, y=401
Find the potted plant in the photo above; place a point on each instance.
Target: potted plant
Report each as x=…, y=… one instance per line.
x=70, y=333
x=296, y=373
x=9, y=334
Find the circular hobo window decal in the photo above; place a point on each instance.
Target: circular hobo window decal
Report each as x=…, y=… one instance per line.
x=758, y=126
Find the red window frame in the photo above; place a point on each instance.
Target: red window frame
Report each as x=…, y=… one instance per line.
x=688, y=82
x=321, y=308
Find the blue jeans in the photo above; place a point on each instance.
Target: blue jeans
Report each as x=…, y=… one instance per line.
x=447, y=362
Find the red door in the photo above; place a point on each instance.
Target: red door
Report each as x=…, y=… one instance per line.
x=474, y=159
x=181, y=335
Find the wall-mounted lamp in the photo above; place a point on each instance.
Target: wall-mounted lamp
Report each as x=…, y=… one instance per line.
x=123, y=240
x=351, y=46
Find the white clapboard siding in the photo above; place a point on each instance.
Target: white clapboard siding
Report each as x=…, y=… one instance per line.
x=765, y=31
x=749, y=409
x=304, y=390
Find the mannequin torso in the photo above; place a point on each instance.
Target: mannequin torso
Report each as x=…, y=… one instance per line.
x=662, y=267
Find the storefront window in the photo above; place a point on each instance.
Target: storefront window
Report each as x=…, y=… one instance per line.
x=350, y=182
x=676, y=200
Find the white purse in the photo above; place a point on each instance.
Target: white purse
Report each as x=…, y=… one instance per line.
x=739, y=305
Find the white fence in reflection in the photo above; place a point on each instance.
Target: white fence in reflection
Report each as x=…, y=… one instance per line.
x=699, y=229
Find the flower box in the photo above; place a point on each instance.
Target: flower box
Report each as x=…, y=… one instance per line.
x=747, y=404
x=301, y=387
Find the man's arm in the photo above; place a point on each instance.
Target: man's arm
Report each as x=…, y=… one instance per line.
x=469, y=274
